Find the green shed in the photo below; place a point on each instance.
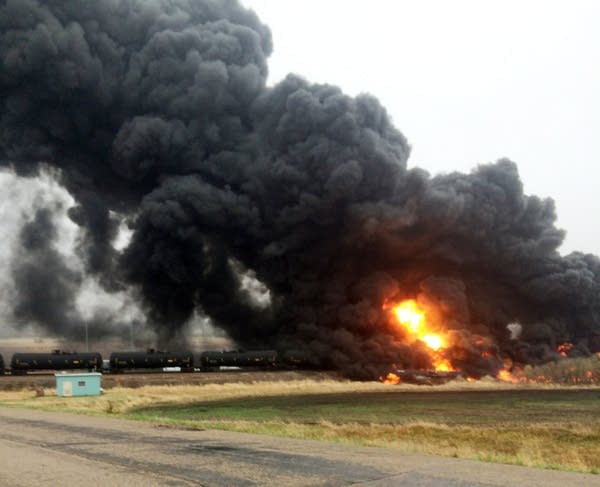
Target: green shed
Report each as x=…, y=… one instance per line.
x=84, y=384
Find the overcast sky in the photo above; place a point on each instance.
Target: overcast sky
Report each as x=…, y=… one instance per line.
x=467, y=82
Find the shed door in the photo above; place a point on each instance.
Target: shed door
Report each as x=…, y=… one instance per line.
x=67, y=388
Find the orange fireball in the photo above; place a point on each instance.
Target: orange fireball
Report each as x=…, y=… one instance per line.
x=411, y=317
x=391, y=378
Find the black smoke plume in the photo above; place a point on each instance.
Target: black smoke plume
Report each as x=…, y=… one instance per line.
x=158, y=111
x=47, y=286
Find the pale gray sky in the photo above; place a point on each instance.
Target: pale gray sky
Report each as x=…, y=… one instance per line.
x=467, y=82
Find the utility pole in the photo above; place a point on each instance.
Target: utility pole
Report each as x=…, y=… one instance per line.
x=131, y=335
x=87, y=343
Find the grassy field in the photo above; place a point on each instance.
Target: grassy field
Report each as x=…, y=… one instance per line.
x=540, y=426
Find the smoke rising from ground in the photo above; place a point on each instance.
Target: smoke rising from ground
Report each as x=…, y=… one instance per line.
x=158, y=111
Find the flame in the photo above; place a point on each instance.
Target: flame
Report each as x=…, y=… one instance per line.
x=412, y=319
x=505, y=376
x=563, y=348
x=409, y=315
x=391, y=378
x=442, y=365
x=434, y=342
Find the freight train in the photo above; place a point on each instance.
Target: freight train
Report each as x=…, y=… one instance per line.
x=183, y=361
x=21, y=363
x=149, y=360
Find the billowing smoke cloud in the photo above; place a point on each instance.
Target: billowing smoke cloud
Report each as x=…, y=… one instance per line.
x=158, y=110
x=48, y=287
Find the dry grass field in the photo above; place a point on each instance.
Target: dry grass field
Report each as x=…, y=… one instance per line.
x=545, y=426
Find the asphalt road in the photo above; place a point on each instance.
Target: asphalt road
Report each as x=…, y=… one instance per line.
x=43, y=448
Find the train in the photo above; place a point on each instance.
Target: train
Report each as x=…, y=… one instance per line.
x=156, y=360
x=21, y=363
x=150, y=360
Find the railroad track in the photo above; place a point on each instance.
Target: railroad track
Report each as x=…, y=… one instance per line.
x=138, y=379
